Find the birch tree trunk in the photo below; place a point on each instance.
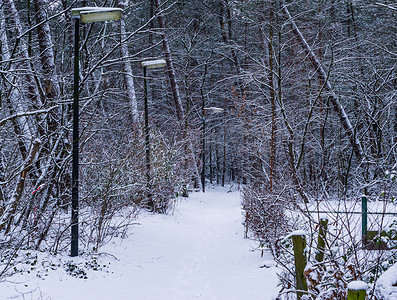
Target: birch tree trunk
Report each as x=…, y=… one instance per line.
x=127, y=70
x=51, y=86
x=13, y=95
x=31, y=85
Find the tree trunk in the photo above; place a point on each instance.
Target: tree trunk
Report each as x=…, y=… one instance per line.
x=170, y=67
x=272, y=99
x=32, y=89
x=355, y=142
x=227, y=37
x=13, y=96
x=127, y=70
x=51, y=86
x=175, y=89
x=17, y=193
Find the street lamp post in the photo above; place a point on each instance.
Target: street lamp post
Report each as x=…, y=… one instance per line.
x=85, y=15
x=149, y=64
x=214, y=110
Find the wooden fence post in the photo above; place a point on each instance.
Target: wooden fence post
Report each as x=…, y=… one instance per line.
x=357, y=290
x=322, y=232
x=299, y=244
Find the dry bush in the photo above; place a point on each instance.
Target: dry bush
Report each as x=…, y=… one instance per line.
x=264, y=215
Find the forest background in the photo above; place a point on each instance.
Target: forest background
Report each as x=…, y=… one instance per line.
x=308, y=90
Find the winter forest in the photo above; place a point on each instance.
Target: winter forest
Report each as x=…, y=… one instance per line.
x=308, y=95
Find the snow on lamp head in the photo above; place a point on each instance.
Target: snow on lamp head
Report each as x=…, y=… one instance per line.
x=96, y=14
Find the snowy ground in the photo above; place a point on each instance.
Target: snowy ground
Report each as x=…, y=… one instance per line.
x=198, y=252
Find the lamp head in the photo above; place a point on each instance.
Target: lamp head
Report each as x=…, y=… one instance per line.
x=153, y=64
x=96, y=14
x=214, y=109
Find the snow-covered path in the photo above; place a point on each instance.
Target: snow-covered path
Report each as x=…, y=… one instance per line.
x=198, y=252
x=201, y=252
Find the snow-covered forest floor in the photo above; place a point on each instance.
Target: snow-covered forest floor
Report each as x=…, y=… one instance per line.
x=198, y=251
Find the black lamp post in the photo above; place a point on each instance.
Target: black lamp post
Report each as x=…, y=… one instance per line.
x=85, y=15
x=149, y=64
x=215, y=110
